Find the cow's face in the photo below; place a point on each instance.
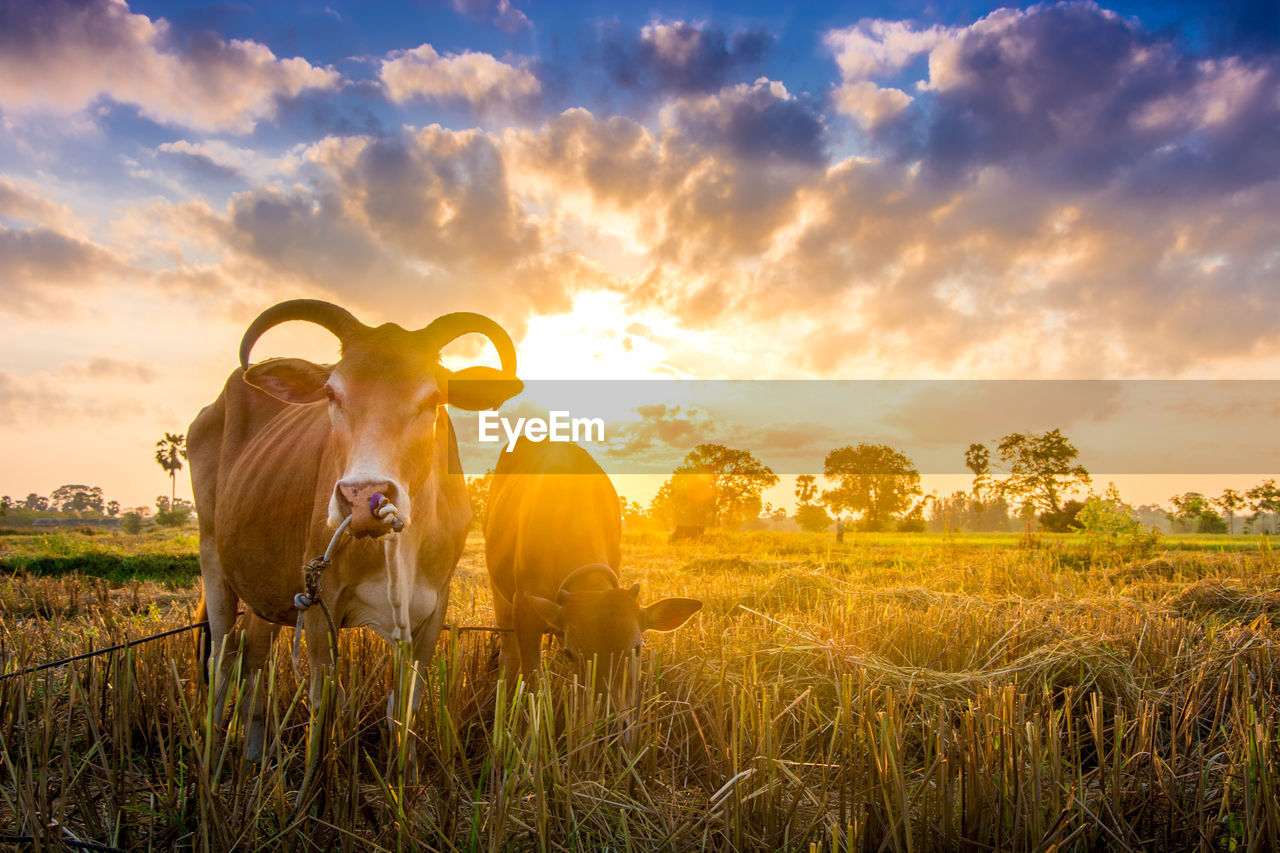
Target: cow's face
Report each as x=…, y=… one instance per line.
x=603, y=631
x=385, y=400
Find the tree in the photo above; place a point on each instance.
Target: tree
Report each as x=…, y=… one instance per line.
x=6, y=503
x=715, y=485
x=873, y=480
x=75, y=498
x=170, y=451
x=1041, y=467
x=36, y=502
x=978, y=460
x=478, y=495
x=1229, y=501
x=632, y=513
x=809, y=514
x=1111, y=524
x=113, y=509
x=1106, y=516
x=1064, y=519
x=172, y=513
x=1263, y=498
x=1192, y=513
x=686, y=498
x=806, y=490
x=813, y=518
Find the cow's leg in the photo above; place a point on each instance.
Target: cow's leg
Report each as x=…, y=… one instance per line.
x=528, y=633
x=220, y=609
x=509, y=657
x=320, y=655
x=259, y=636
x=407, y=695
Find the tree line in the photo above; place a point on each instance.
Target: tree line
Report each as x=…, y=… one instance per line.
x=1023, y=479
x=75, y=501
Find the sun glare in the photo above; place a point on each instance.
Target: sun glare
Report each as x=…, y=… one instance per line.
x=600, y=338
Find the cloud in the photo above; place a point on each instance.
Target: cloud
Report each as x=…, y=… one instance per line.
x=40, y=268
x=875, y=48
x=19, y=203
x=1073, y=94
x=307, y=239
x=106, y=368
x=670, y=198
x=872, y=48
x=660, y=431
x=93, y=390
x=60, y=56
x=476, y=80
x=502, y=13
x=678, y=57
x=941, y=413
x=414, y=223
x=200, y=161
x=761, y=121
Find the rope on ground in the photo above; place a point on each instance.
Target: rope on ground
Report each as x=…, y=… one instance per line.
x=96, y=652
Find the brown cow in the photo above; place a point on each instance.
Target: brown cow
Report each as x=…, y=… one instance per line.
x=552, y=542
x=290, y=448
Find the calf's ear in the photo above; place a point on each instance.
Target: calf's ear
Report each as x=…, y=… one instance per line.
x=670, y=613
x=549, y=611
x=292, y=380
x=478, y=388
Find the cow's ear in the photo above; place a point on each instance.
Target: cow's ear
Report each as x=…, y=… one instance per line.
x=290, y=379
x=670, y=613
x=549, y=611
x=478, y=388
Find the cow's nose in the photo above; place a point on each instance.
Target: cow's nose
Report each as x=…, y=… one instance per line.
x=360, y=489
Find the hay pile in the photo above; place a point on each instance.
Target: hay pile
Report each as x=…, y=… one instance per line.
x=1229, y=598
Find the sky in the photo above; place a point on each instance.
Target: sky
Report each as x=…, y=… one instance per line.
x=883, y=190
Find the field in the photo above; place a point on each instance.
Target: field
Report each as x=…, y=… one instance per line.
x=895, y=692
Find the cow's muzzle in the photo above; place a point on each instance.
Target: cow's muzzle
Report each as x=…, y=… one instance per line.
x=365, y=500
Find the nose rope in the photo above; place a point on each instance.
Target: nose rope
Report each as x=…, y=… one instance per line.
x=311, y=578
x=312, y=575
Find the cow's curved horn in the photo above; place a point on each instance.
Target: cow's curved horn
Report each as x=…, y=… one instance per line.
x=337, y=320
x=588, y=569
x=449, y=327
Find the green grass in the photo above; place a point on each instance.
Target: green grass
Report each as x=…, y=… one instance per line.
x=169, y=555
x=898, y=692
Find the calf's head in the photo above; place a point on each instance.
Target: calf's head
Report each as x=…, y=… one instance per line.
x=385, y=397
x=604, y=628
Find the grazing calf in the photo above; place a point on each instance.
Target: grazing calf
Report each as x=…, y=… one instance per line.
x=552, y=542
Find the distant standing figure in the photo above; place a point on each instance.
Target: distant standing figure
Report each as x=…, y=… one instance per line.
x=839, y=530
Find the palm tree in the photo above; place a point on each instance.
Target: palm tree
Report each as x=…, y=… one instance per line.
x=170, y=451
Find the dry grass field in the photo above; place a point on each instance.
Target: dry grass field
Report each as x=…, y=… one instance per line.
x=892, y=693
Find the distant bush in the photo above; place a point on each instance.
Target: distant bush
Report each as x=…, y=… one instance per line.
x=1111, y=526
x=172, y=513
x=813, y=518
x=131, y=522
x=1064, y=519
